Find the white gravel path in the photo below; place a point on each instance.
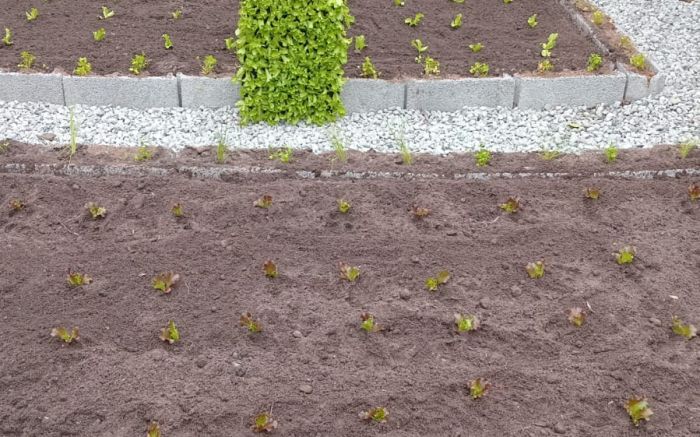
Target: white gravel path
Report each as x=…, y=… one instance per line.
x=667, y=30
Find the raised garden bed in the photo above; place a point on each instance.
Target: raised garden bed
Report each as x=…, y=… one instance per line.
x=312, y=365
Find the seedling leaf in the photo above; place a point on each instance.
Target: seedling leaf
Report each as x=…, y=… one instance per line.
x=368, y=324
x=263, y=422
x=17, y=205
x=478, y=387
x=626, y=255
x=483, y=156
x=177, y=210
x=270, y=269
x=64, y=335
x=76, y=279
x=479, y=69
x=343, y=206
x=466, y=323
x=348, y=272
x=577, y=316
x=420, y=212
x=683, y=329
x=249, y=323
x=511, y=206
x=153, y=430
x=535, y=270
x=638, y=409
x=164, y=282
x=377, y=415
x=368, y=69
x=170, y=333
x=592, y=193
x=263, y=202
x=415, y=20
x=96, y=211
x=106, y=13
x=694, y=192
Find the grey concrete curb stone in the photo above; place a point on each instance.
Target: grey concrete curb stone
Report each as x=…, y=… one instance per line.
x=129, y=92
x=196, y=91
x=640, y=86
x=31, y=87
x=453, y=95
x=368, y=95
x=588, y=90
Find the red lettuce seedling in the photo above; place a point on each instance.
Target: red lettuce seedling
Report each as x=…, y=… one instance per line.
x=16, y=205
x=153, y=430
x=592, y=193
x=638, y=409
x=377, y=415
x=76, y=279
x=64, y=335
x=466, y=323
x=96, y=211
x=419, y=212
x=165, y=282
x=348, y=272
x=263, y=422
x=170, y=333
x=249, y=323
x=694, y=192
x=263, y=202
x=343, y=206
x=478, y=387
x=270, y=269
x=511, y=206
x=368, y=324
x=535, y=270
x=177, y=210
x=626, y=255
x=433, y=283
x=683, y=329
x=577, y=316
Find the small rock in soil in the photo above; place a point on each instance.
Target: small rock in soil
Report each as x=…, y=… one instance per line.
x=75, y=186
x=516, y=291
x=306, y=388
x=404, y=294
x=451, y=233
x=240, y=370
x=201, y=362
x=559, y=428
x=47, y=136
x=654, y=321
x=415, y=260
x=297, y=334
x=484, y=303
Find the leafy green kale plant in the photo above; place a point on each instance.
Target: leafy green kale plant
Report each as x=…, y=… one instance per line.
x=683, y=329
x=532, y=21
x=595, y=61
x=65, y=335
x=7, y=39
x=360, y=43
x=170, y=334
x=415, y=20
x=167, y=41
x=96, y=211
x=478, y=387
x=27, y=60
x=99, y=34
x=535, y=270
x=456, y=22
x=83, y=68
x=32, y=14
x=263, y=422
x=164, y=282
x=434, y=282
x=76, y=279
x=348, y=272
x=377, y=415
x=638, y=409
x=138, y=63
x=466, y=323
x=304, y=78
x=270, y=269
x=249, y=323
x=368, y=70
x=626, y=255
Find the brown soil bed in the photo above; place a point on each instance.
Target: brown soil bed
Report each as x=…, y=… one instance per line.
x=63, y=33
x=548, y=377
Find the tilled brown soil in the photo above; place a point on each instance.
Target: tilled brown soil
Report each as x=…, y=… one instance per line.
x=549, y=378
x=63, y=33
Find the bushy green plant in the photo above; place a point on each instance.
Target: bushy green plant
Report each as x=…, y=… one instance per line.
x=431, y=66
x=270, y=269
x=138, y=63
x=482, y=156
x=598, y=18
x=304, y=78
x=26, y=60
x=368, y=70
x=248, y=322
x=209, y=63
x=378, y=415
x=96, y=211
x=595, y=61
x=283, y=155
x=611, y=152
x=638, y=409
x=153, y=430
x=77, y=279
x=65, y=335
x=164, y=282
x=545, y=66
x=170, y=334
x=638, y=61
x=83, y=68
x=344, y=206
x=230, y=44
x=478, y=387
x=479, y=69
x=176, y=14
x=626, y=255
x=683, y=329
x=263, y=422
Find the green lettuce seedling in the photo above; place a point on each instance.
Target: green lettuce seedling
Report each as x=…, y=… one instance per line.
x=230, y=44
x=611, y=152
x=138, y=63
x=176, y=14
x=167, y=41
x=420, y=212
x=96, y=211
x=478, y=387
x=466, y=323
x=545, y=66
x=177, y=210
x=249, y=323
x=170, y=333
x=360, y=43
x=7, y=39
x=65, y=335
x=263, y=422
x=221, y=146
x=399, y=3
x=507, y=2
x=535, y=270
x=153, y=430
x=343, y=206
x=638, y=61
x=476, y=48
x=341, y=153
x=377, y=415
x=164, y=282
x=456, y=22
x=348, y=272
x=406, y=156
x=16, y=205
x=441, y=278
x=99, y=34
x=595, y=61
x=479, y=69
x=576, y=316
x=418, y=45
x=598, y=18
x=532, y=21
x=368, y=70
x=686, y=147
x=32, y=14
x=415, y=20
x=549, y=154
x=283, y=155
x=511, y=206
x=76, y=279
x=209, y=64
x=143, y=153
x=626, y=255
x=683, y=329
x=27, y=60
x=431, y=66
x=548, y=46
x=83, y=68
x=264, y=202
x=482, y=156
x=694, y=192
x=638, y=409
x=592, y=193
x=106, y=13
x=368, y=324
x=270, y=269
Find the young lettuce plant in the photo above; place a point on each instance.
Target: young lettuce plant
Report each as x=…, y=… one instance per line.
x=348, y=272
x=595, y=61
x=466, y=323
x=249, y=323
x=419, y=212
x=77, y=279
x=434, y=282
x=143, y=153
x=638, y=409
x=638, y=61
x=532, y=21
x=170, y=333
x=548, y=46
x=431, y=66
x=230, y=44
x=626, y=255
x=16, y=205
x=209, y=64
x=479, y=69
x=456, y=22
x=611, y=153
x=592, y=193
x=686, y=147
x=598, y=18
x=535, y=270
x=263, y=422
x=139, y=63
x=478, y=387
x=399, y=3
x=482, y=157
x=576, y=316
x=368, y=324
x=545, y=66
x=343, y=206
x=415, y=20
x=694, y=192
x=32, y=14
x=264, y=202
x=167, y=41
x=476, y=47
x=176, y=14
x=153, y=429
x=106, y=13
x=177, y=210
x=376, y=415
x=26, y=60
x=511, y=206
x=96, y=211
x=360, y=43
x=65, y=335
x=99, y=34
x=270, y=269
x=164, y=282
x=368, y=70
x=283, y=155
x=683, y=329
x=418, y=45
x=7, y=39
x=83, y=68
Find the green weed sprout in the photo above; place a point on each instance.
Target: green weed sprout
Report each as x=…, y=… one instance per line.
x=511, y=206
x=221, y=147
x=638, y=61
x=686, y=147
x=418, y=45
x=263, y=422
x=626, y=255
x=138, y=63
x=482, y=156
x=415, y=20
x=638, y=409
x=4, y=146
x=270, y=269
x=548, y=46
x=592, y=193
x=249, y=323
x=348, y=272
x=106, y=13
x=177, y=210
x=176, y=14
x=611, y=153
x=17, y=205
x=549, y=154
x=73, y=129
x=434, y=282
x=96, y=211
x=230, y=44
x=368, y=70
x=143, y=153
x=99, y=34
x=595, y=61
x=532, y=21
x=466, y=323
x=431, y=66
x=456, y=22
x=7, y=39
x=283, y=155
x=694, y=192
x=368, y=324
x=545, y=66
x=576, y=316
x=77, y=279
x=478, y=387
x=360, y=43
x=507, y=2
x=153, y=430
x=83, y=68
x=479, y=69
x=341, y=153
x=164, y=282
x=209, y=64
x=26, y=60
x=399, y=3
x=683, y=329
x=377, y=415
x=167, y=41
x=535, y=270
x=343, y=206
x=65, y=335
x=598, y=18
x=170, y=333
x=476, y=48
x=32, y=14
x=406, y=156
x=264, y=202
